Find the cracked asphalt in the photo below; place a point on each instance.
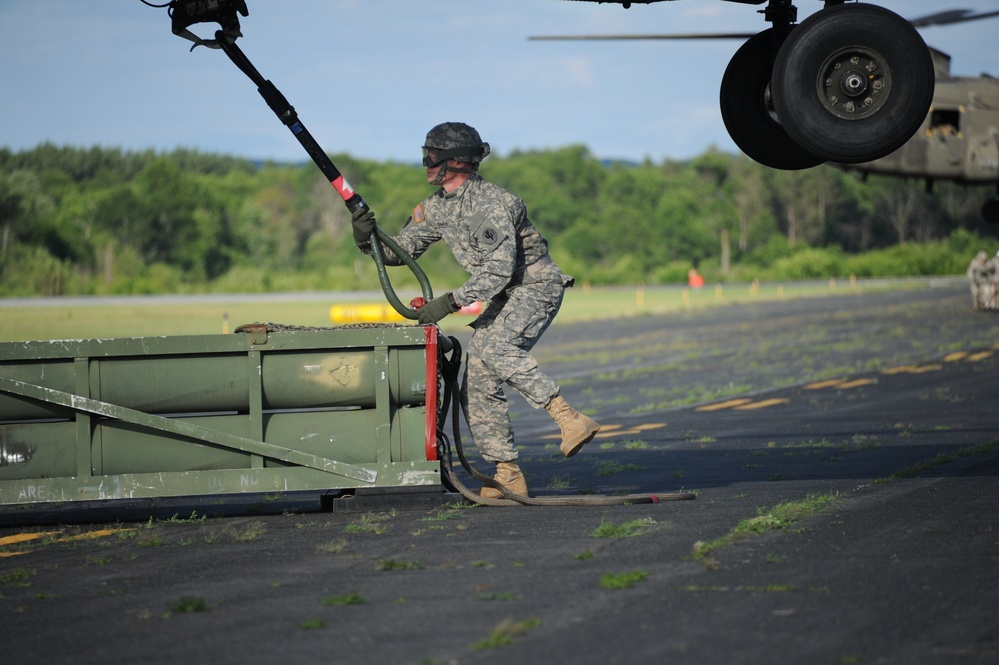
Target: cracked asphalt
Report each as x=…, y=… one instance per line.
x=844, y=452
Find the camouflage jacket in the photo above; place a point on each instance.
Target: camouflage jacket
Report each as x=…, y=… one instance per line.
x=487, y=230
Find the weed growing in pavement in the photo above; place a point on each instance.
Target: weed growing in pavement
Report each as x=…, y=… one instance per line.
x=778, y=518
x=505, y=634
x=559, y=482
x=312, y=624
x=149, y=540
x=333, y=547
x=18, y=578
x=609, y=468
x=249, y=532
x=394, y=564
x=624, y=530
x=186, y=604
x=193, y=519
x=371, y=523
x=443, y=516
x=622, y=580
x=940, y=460
x=352, y=598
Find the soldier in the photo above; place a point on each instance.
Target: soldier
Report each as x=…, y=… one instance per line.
x=977, y=280
x=489, y=234
x=990, y=283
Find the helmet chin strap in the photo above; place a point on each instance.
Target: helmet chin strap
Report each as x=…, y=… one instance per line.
x=445, y=169
x=441, y=172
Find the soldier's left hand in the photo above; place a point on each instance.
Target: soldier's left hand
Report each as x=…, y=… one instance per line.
x=436, y=309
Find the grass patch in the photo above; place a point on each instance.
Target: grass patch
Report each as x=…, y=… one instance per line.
x=193, y=519
x=625, y=529
x=312, y=624
x=248, y=532
x=17, y=578
x=352, y=598
x=371, y=523
x=187, y=604
x=611, y=467
x=778, y=518
x=940, y=460
x=397, y=564
x=149, y=540
x=622, y=580
x=559, y=482
x=505, y=634
x=333, y=547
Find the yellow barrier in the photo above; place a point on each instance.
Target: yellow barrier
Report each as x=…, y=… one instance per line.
x=382, y=313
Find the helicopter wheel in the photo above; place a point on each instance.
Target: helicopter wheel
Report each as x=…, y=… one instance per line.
x=748, y=113
x=852, y=83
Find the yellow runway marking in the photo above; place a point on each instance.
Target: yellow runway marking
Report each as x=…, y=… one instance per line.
x=979, y=356
x=619, y=432
x=762, y=405
x=953, y=357
x=723, y=405
x=28, y=537
x=912, y=369
x=608, y=431
x=92, y=534
x=22, y=537
x=857, y=383
x=824, y=384
x=648, y=426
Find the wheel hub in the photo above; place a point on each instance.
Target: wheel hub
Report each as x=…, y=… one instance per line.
x=854, y=83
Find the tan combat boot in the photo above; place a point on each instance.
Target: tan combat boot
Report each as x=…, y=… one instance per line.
x=576, y=428
x=509, y=475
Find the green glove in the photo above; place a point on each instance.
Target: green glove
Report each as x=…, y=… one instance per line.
x=437, y=309
x=363, y=221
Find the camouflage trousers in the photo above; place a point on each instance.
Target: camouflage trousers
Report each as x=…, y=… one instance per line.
x=499, y=353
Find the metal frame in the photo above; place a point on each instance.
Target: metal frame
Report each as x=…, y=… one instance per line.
x=64, y=442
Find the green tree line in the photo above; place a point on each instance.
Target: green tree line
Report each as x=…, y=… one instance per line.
x=78, y=221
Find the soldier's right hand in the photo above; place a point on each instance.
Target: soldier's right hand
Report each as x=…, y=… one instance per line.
x=363, y=221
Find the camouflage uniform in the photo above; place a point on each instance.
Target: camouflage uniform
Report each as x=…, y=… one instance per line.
x=487, y=230
x=990, y=286
x=977, y=280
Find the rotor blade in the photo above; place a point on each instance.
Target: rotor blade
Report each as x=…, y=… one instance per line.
x=950, y=16
x=717, y=35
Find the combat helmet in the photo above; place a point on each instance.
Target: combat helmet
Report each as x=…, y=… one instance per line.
x=454, y=140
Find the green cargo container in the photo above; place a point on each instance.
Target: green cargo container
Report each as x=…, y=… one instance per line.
x=269, y=409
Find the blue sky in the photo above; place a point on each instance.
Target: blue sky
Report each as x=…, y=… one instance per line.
x=370, y=77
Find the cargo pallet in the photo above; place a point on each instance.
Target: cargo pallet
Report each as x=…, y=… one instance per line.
x=268, y=409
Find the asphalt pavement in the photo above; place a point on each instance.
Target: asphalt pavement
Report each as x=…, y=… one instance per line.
x=843, y=451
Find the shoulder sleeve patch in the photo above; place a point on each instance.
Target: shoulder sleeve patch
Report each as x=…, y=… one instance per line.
x=487, y=234
x=418, y=214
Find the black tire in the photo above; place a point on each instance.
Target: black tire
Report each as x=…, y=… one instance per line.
x=748, y=115
x=848, y=110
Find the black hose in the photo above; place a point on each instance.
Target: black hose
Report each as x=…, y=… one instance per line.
x=383, y=278
x=451, y=387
